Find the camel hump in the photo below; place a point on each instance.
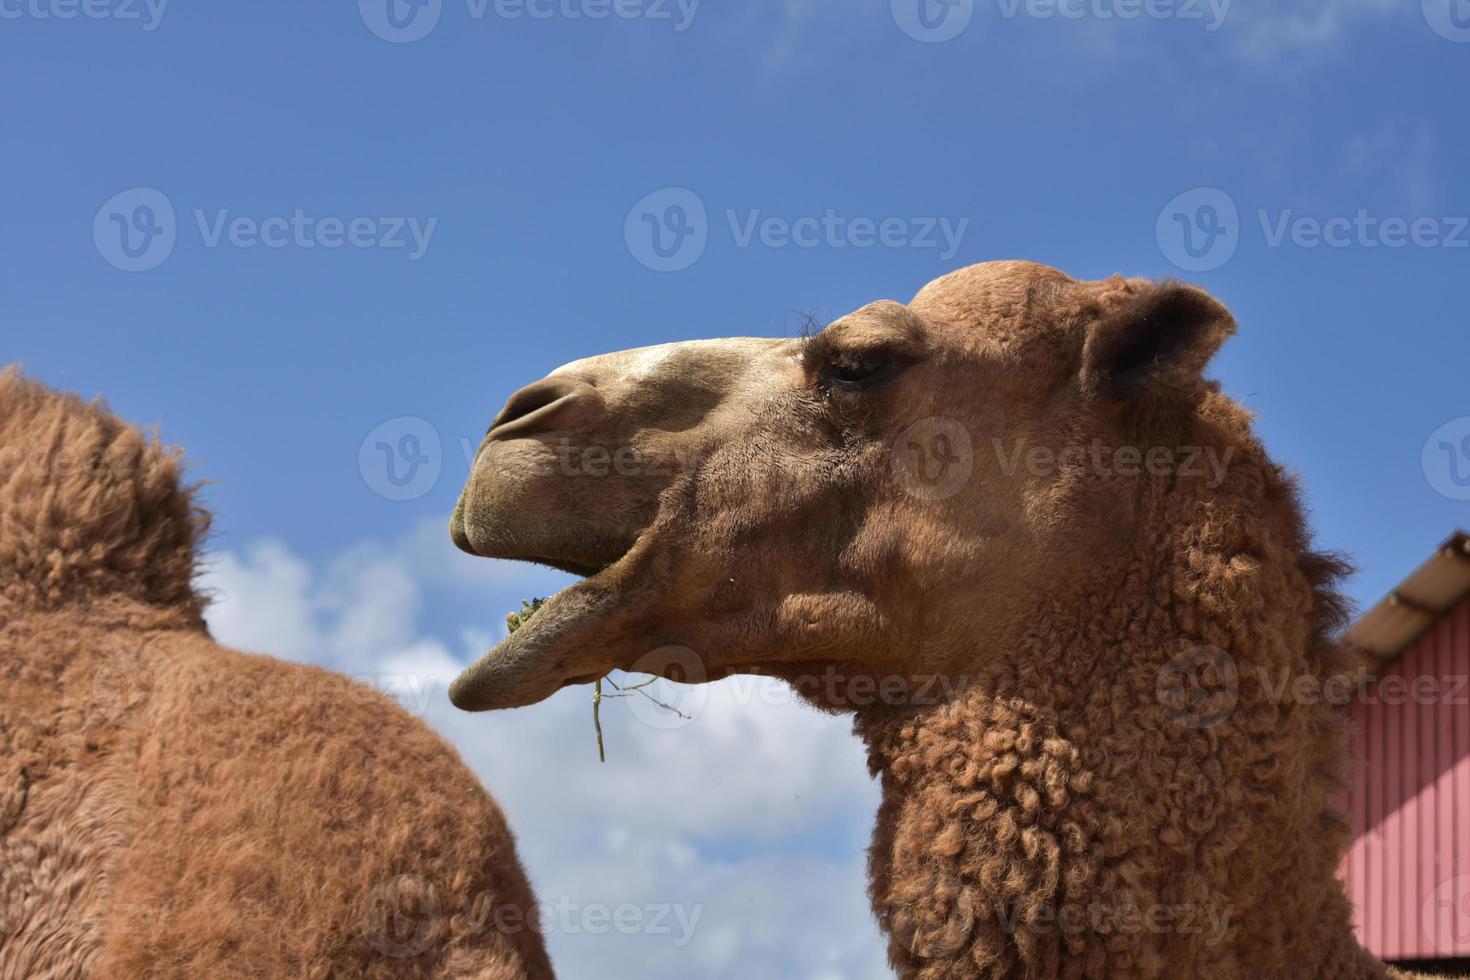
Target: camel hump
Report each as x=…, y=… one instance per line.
x=93, y=510
x=359, y=844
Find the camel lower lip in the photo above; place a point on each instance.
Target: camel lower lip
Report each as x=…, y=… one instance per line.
x=583, y=679
x=547, y=652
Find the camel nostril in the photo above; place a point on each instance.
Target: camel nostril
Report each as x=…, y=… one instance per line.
x=534, y=405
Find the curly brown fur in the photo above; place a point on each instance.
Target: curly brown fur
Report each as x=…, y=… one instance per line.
x=1066, y=666
x=1060, y=783
x=170, y=808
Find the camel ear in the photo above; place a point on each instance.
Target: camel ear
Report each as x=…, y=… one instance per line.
x=1164, y=334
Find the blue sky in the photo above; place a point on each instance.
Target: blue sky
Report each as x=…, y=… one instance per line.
x=527, y=150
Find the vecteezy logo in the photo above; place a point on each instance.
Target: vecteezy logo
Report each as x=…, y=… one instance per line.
x=1198, y=687
x=1199, y=230
x=941, y=922
x=401, y=459
x=402, y=917
x=120, y=686
x=663, y=705
x=932, y=21
x=933, y=458
x=400, y=21
x=1450, y=19
x=668, y=230
x=1445, y=915
x=1446, y=459
x=135, y=230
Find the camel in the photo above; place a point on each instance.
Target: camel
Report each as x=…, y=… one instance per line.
x=1042, y=562
x=170, y=808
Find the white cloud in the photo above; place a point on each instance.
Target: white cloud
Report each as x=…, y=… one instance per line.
x=749, y=821
x=1267, y=30
x=1254, y=31
x=266, y=601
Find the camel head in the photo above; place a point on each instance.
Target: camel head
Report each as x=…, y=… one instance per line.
x=859, y=511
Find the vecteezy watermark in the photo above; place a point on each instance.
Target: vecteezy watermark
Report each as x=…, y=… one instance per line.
x=406, y=916
x=932, y=21
x=1200, y=230
x=405, y=21
x=147, y=13
x=1445, y=915
x=672, y=919
x=1210, y=921
x=832, y=230
x=677, y=697
x=1198, y=687
x=1450, y=19
x=933, y=458
x=669, y=229
x=1099, y=459
x=600, y=461
x=402, y=917
x=1211, y=13
x=1339, y=690
x=936, y=21
x=400, y=21
x=941, y=919
x=401, y=459
x=52, y=463
x=136, y=230
x=301, y=230
x=1446, y=459
x=675, y=706
x=1363, y=229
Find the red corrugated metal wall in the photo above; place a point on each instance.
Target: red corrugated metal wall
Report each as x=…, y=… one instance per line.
x=1408, y=871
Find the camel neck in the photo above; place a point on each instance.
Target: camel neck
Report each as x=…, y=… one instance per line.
x=1128, y=826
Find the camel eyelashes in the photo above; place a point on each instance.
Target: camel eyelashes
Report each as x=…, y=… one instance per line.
x=859, y=370
x=849, y=369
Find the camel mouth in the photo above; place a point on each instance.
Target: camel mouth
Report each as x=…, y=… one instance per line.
x=557, y=647
x=514, y=509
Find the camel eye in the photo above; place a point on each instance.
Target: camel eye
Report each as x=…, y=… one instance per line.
x=857, y=370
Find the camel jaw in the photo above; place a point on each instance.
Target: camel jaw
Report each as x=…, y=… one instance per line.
x=576, y=637
x=536, y=660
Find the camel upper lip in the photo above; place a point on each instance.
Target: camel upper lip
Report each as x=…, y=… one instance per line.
x=459, y=534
